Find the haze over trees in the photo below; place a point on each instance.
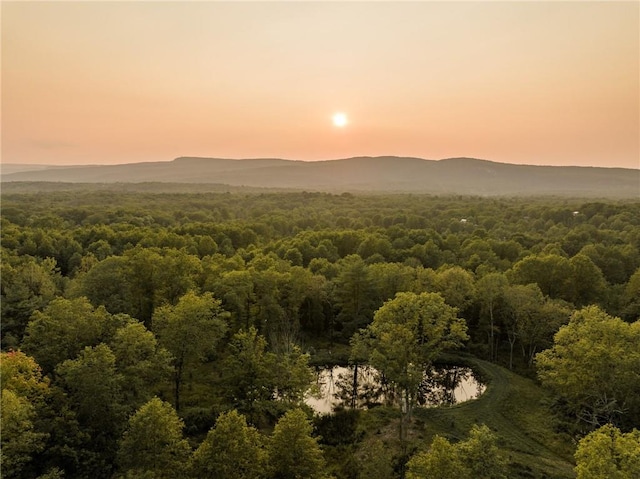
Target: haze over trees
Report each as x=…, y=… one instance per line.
x=201, y=317
x=389, y=174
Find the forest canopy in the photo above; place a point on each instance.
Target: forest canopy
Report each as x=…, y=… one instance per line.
x=201, y=315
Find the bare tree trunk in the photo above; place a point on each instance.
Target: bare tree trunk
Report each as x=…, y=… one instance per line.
x=512, y=342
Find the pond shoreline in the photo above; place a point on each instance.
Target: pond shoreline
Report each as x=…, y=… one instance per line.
x=360, y=386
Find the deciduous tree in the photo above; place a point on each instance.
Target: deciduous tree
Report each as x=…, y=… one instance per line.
x=248, y=373
x=143, y=364
x=293, y=452
x=594, y=364
x=152, y=445
x=231, y=450
x=24, y=391
x=406, y=335
x=551, y=272
x=66, y=327
x=490, y=291
x=478, y=457
x=441, y=461
x=190, y=330
x=456, y=285
x=353, y=287
x=374, y=460
x=26, y=286
x=94, y=389
x=608, y=454
x=19, y=441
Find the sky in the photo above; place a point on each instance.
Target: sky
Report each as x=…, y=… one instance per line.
x=544, y=82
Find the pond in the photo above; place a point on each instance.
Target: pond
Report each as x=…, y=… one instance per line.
x=364, y=387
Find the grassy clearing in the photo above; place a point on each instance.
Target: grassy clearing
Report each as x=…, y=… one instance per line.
x=512, y=406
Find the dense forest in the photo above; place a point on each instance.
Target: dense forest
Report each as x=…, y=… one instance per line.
x=171, y=334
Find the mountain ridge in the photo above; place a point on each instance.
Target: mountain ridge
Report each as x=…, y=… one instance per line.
x=460, y=175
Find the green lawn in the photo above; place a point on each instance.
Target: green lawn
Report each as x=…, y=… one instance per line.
x=512, y=406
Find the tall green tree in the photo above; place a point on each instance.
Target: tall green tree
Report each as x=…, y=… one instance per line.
x=406, y=335
x=594, y=364
x=441, y=461
x=490, y=291
x=532, y=319
x=293, y=452
x=522, y=308
x=478, y=457
x=190, y=330
x=21, y=374
x=589, y=284
x=247, y=371
x=107, y=283
x=607, y=453
x=374, y=460
x=631, y=297
x=353, y=287
x=37, y=420
x=141, y=267
x=26, y=286
x=293, y=375
x=552, y=273
x=19, y=440
x=456, y=285
x=142, y=363
x=294, y=285
x=231, y=450
x=235, y=289
x=66, y=327
x=93, y=386
x=254, y=377
x=175, y=275
x=140, y=280
x=481, y=455
x=389, y=279
x=152, y=445
x=24, y=392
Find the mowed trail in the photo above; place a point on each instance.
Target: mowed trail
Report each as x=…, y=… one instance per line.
x=513, y=407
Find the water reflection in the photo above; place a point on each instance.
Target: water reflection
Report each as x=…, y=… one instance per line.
x=365, y=387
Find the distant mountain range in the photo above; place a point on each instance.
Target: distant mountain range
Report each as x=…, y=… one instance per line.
x=466, y=176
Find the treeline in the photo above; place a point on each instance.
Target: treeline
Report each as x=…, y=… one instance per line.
x=320, y=263
x=210, y=301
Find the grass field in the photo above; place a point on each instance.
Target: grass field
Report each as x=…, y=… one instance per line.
x=513, y=407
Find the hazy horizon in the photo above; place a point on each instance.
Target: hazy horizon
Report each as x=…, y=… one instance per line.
x=72, y=165
x=540, y=83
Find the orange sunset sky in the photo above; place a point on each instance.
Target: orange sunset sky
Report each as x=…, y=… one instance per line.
x=554, y=83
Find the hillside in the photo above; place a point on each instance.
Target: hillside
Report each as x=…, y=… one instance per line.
x=384, y=174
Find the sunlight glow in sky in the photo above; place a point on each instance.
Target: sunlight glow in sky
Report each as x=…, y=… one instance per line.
x=553, y=83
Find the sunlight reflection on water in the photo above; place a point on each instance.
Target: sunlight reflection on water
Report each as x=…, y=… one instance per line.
x=442, y=386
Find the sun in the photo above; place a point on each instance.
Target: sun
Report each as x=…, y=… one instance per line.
x=340, y=120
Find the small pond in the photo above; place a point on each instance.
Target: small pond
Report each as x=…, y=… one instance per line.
x=364, y=387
